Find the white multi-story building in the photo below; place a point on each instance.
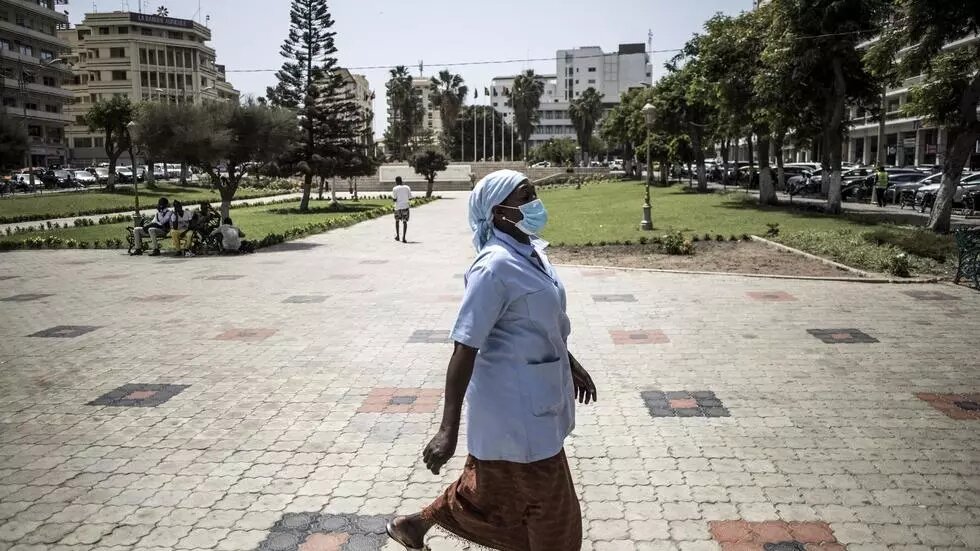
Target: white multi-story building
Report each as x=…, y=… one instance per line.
x=431, y=116
x=142, y=57
x=31, y=76
x=611, y=74
x=357, y=89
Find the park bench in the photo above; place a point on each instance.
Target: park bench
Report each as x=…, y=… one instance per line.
x=203, y=242
x=968, y=250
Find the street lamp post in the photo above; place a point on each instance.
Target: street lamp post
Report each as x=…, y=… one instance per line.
x=133, y=133
x=649, y=116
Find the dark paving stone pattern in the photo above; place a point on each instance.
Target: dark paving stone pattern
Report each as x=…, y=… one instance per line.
x=319, y=532
x=65, y=331
x=698, y=403
x=27, y=297
x=930, y=295
x=305, y=299
x=429, y=336
x=842, y=336
x=613, y=298
x=138, y=395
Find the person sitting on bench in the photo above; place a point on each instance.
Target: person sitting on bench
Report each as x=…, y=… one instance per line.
x=231, y=237
x=156, y=229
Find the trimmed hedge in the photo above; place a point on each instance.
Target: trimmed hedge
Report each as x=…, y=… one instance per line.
x=53, y=242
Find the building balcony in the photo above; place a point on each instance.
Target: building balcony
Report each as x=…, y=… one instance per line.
x=31, y=61
x=39, y=36
x=36, y=9
x=39, y=89
x=33, y=114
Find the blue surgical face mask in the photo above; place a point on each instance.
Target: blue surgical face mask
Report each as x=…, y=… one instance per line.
x=535, y=217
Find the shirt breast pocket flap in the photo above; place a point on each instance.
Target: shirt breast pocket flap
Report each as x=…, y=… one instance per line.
x=543, y=384
x=543, y=305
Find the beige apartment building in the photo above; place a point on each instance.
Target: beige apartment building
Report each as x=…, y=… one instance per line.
x=140, y=56
x=31, y=75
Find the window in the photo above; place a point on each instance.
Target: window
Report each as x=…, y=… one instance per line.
x=47, y=55
x=98, y=142
x=153, y=80
x=591, y=81
x=187, y=60
x=103, y=30
x=51, y=108
x=119, y=75
x=28, y=77
x=19, y=19
x=170, y=58
x=175, y=35
x=123, y=30
x=204, y=82
x=26, y=49
x=93, y=98
x=576, y=81
x=49, y=81
x=153, y=57
x=34, y=131
x=146, y=32
x=83, y=142
x=93, y=54
x=172, y=80
x=117, y=52
x=591, y=69
x=143, y=55
x=144, y=79
x=180, y=60
x=5, y=44
x=9, y=102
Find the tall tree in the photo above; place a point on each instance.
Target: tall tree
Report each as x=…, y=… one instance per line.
x=585, y=112
x=448, y=93
x=949, y=93
x=816, y=41
x=407, y=110
x=112, y=118
x=311, y=84
x=525, y=100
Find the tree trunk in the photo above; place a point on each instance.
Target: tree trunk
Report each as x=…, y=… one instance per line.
x=767, y=192
x=834, y=136
x=962, y=144
x=111, y=183
x=699, y=159
x=725, y=145
x=356, y=198
x=183, y=173
x=751, y=160
x=881, y=130
x=320, y=193
x=428, y=187
x=150, y=180
x=333, y=195
x=780, y=138
x=304, y=203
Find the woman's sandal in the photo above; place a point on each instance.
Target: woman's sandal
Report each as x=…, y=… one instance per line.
x=390, y=529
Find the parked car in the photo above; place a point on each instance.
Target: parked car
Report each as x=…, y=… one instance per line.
x=159, y=173
x=124, y=175
x=85, y=178
x=542, y=164
x=58, y=179
x=897, y=186
x=926, y=195
x=140, y=173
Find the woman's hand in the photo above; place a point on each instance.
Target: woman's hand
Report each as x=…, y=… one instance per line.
x=584, y=387
x=440, y=449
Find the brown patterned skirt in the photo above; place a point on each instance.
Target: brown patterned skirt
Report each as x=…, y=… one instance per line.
x=512, y=506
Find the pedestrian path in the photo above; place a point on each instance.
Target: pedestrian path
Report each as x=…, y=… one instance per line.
x=280, y=401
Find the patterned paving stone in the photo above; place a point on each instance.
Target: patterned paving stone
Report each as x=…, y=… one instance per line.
x=955, y=406
x=401, y=400
x=160, y=298
x=455, y=299
x=654, y=336
x=7, y=277
x=111, y=277
x=27, y=297
x=305, y=299
x=223, y=277
x=613, y=298
x=771, y=296
x=930, y=295
x=842, y=336
x=429, y=336
x=139, y=395
x=374, y=262
x=320, y=532
x=597, y=273
x=698, y=403
x=65, y=331
x=738, y=535
x=246, y=334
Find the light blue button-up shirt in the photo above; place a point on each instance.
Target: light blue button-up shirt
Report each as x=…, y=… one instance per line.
x=521, y=403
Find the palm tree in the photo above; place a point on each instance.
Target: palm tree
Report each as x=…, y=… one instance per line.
x=585, y=111
x=406, y=108
x=525, y=99
x=449, y=93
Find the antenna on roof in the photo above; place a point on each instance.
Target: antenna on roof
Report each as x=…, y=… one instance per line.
x=649, y=39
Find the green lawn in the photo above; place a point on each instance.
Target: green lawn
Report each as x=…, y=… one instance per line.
x=256, y=222
x=68, y=204
x=611, y=212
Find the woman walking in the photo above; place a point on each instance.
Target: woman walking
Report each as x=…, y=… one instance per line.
x=512, y=364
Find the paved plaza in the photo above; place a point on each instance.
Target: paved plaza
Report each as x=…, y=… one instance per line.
x=280, y=401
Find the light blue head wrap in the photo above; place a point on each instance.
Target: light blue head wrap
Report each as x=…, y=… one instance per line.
x=488, y=193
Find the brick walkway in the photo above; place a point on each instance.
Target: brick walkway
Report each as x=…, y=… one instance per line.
x=281, y=400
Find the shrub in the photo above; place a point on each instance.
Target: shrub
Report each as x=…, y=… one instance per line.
x=719, y=237
x=644, y=240
x=695, y=238
x=773, y=230
x=97, y=244
x=745, y=237
x=919, y=242
x=732, y=238
x=899, y=265
x=674, y=243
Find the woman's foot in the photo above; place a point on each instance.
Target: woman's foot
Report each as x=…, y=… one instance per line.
x=409, y=531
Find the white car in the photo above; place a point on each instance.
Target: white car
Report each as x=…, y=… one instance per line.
x=969, y=182
x=85, y=178
x=542, y=164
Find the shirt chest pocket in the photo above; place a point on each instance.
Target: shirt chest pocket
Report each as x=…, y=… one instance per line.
x=544, y=307
x=542, y=383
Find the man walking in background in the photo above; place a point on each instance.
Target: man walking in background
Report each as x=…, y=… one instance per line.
x=401, y=194
x=881, y=184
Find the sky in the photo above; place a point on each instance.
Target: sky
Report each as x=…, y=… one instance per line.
x=247, y=34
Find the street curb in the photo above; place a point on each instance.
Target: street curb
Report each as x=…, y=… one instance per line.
x=729, y=274
x=866, y=277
